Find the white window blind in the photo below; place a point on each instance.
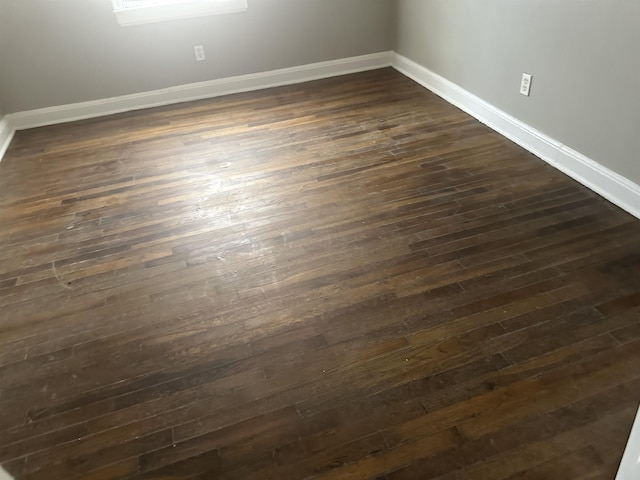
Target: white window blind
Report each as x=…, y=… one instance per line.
x=150, y=3
x=136, y=12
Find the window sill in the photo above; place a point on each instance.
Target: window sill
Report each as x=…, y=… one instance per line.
x=179, y=11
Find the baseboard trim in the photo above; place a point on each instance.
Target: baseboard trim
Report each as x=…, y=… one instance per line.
x=610, y=185
x=4, y=475
x=200, y=90
x=6, y=135
x=630, y=466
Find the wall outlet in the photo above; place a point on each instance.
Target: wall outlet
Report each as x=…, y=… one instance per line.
x=198, y=50
x=525, y=84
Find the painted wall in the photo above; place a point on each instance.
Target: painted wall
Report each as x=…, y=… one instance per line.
x=66, y=51
x=3, y=47
x=583, y=55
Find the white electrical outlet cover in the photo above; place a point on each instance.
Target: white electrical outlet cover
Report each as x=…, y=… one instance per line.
x=198, y=50
x=525, y=84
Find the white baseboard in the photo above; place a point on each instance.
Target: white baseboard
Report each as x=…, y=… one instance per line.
x=6, y=135
x=612, y=186
x=200, y=90
x=630, y=465
x=4, y=475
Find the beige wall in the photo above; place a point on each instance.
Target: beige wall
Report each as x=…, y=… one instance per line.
x=66, y=51
x=584, y=55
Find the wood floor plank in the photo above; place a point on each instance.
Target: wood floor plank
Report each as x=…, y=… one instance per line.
x=347, y=278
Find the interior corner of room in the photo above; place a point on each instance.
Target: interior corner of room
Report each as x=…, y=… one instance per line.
x=557, y=78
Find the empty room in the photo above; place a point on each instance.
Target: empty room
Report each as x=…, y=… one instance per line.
x=319, y=239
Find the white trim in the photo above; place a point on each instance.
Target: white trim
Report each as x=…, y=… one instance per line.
x=612, y=186
x=6, y=135
x=177, y=11
x=4, y=475
x=197, y=91
x=630, y=465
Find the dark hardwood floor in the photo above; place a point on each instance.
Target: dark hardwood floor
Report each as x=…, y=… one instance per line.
x=348, y=278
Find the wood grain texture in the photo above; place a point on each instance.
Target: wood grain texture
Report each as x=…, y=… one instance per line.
x=347, y=278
